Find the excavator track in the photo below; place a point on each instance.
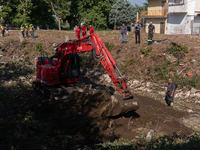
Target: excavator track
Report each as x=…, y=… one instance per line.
x=116, y=106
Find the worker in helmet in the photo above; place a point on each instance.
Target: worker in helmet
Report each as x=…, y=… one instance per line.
x=91, y=29
x=22, y=30
x=32, y=29
x=26, y=29
x=84, y=30
x=78, y=31
x=2, y=30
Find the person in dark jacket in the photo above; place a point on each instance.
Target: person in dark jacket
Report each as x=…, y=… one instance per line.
x=170, y=93
x=151, y=31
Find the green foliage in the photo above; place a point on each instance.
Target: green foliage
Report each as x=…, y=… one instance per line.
x=24, y=9
x=94, y=12
x=60, y=8
x=126, y=64
x=146, y=51
x=122, y=11
x=29, y=116
x=109, y=46
x=165, y=142
x=176, y=48
x=23, y=43
x=38, y=47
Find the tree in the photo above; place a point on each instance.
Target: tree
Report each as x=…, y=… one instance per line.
x=94, y=12
x=122, y=11
x=60, y=9
x=24, y=9
x=146, y=5
x=42, y=14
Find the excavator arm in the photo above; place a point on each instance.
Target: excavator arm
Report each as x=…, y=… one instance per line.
x=52, y=73
x=100, y=52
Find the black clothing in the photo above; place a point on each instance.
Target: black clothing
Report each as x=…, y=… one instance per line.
x=137, y=37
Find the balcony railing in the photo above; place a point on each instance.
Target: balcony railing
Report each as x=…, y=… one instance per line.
x=162, y=12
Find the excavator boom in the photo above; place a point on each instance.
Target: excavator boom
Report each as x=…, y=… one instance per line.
x=51, y=72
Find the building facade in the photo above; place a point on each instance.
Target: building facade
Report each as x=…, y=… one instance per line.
x=183, y=16
x=158, y=14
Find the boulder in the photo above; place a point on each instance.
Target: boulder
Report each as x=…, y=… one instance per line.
x=171, y=58
x=193, y=90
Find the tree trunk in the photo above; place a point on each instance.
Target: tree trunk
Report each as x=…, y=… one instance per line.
x=59, y=24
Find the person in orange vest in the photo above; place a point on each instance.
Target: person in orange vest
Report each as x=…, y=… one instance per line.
x=91, y=29
x=26, y=29
x=84, y=30
x=78, y=31
x=2, y=30
x=22, y=30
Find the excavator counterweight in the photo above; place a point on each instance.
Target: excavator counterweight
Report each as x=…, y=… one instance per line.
x=56, y=74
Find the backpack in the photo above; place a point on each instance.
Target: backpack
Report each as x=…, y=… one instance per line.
x=175, y=86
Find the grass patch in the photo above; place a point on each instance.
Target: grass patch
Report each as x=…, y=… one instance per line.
x=126, y=64
x=38, y=47
x=172, y=49
x=109, y=46
x=23, y=43
x=146, y=51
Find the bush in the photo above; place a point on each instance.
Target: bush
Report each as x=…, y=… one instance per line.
x=176, y=48
x=38, y=47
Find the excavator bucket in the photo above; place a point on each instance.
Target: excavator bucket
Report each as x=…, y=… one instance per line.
x=118, y=105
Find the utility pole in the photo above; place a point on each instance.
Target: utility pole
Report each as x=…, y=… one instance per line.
x=143, y=16
x=137, y=15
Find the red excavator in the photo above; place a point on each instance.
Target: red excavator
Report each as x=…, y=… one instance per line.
x=64, y=68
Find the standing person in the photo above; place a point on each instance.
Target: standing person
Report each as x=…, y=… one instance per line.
x=78, y=31
x=91, y=29
x=7, y=28
x=22, y=30
x=123, y=33
x=137, y=33
x=26, y=28
x=151, y=31
x=171, y=87
x=32, y=29
x=84, y=30
x=3, y=30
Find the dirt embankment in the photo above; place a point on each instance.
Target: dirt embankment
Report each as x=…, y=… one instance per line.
x=30, y=120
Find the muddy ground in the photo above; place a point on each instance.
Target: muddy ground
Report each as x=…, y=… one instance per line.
x=29, y=120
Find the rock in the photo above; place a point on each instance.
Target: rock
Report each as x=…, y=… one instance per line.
x=148, y=84
x=22, y=78
x=141, y=56
x=1, y=56
x=189, y=110
x=193, y=90
x=171, y=58
x=162, y=93
x=67, y=38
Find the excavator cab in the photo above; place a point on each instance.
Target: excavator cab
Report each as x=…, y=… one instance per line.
x=74, y=66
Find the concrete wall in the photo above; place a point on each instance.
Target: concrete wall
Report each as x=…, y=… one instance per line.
x=197, y=5
x=180, y=23
x=156, y=23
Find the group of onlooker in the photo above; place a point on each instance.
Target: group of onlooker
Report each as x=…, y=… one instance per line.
x=151, y=31
x=83, y=29
x=3, y=29
x=23, y=29
x=27, y=29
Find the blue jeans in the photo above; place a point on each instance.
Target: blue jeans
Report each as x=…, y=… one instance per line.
x=123, y=36
x=33, y=34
